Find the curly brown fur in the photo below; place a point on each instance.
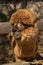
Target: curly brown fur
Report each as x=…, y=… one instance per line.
x=25, y=36
x=23, y=15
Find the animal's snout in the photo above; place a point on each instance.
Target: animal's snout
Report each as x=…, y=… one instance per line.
x=17, y=27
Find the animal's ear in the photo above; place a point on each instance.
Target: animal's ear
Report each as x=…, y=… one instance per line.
x=13, y=18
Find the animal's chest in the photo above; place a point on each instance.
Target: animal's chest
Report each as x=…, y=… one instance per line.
x=27, y=45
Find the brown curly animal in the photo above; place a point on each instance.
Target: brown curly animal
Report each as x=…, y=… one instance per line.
x=25, y=33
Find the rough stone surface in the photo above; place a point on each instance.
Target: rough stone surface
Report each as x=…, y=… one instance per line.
x=11, y=7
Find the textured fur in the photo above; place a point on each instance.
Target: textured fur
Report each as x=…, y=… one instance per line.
x=26, y=46
x=23, y=15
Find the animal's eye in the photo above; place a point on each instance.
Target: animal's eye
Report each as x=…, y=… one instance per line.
x=25, y=25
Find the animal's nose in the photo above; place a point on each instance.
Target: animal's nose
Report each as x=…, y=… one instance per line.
x=17, y=35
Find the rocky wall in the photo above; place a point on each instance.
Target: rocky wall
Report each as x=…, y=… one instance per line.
x=8, y=8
